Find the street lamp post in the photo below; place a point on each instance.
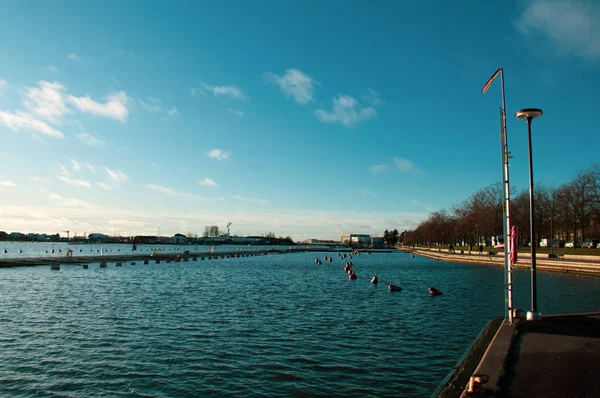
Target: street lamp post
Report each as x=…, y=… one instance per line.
x=528, y=115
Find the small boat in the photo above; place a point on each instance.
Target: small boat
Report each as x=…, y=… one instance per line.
x=85, y=266
x=103, y=264
x=55, y=267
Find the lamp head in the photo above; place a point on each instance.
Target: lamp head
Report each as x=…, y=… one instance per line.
x=529, y=113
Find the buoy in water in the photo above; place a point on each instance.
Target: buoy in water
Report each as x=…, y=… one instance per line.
x=434, y=292
x=85, y=266
x=55, y=267
x=394, y=288
x=351, y=275
x=374, y=280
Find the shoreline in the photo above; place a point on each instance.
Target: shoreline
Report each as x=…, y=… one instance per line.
x=589, y=265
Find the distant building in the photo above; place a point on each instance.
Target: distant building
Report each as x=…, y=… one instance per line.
x=179, y=239
x=16, y=236
x=377, y=241
x=98, y=237
x=357, y=240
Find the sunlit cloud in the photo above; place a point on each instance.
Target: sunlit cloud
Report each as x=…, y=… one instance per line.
x=90, y=167
x=573, y=26
x=173, y=112
x=104, y=186
x=347, y=111
x=24, y=121
x=89, y=140
x=208, y=182
x=74, y=57
x=219, y=154
x=7, y=184
x=378, y=168
x=114, y=108
x=405, y=165
x=75, y=182
x=228, y=91
x=294, y=83
x=63, y=170
x=116, y=175
x=171, y=191
x=75, y=165
x=52, y=69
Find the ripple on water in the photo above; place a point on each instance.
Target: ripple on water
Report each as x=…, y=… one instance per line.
x=288, y=328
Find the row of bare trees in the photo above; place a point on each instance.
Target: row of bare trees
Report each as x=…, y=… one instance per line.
x=570, y=211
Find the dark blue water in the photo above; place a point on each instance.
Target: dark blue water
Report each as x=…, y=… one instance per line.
x=274, y=325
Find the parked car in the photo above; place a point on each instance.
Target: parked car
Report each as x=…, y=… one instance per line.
x=571, y=245
x=590, y=243
x=558, y=243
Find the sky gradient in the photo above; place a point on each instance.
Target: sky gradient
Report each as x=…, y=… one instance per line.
x=302, y=118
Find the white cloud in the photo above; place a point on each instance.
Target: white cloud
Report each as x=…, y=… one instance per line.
x=7, y=184
x=347, y=111
x=72, y=181
x=572, y=26
x=75, y=165
x=116, y=175
x=294, y=83
x=90, y=167
x=372, y=97
x=51, y=68
x=24, y=121
x=63, y=170
x=104, y=186
x=3, y=84
x=171, y=191
x=378, y=168
x=219, y=154
x=74, y=57
x=173, y=112
x=153, y=104
x=47, y=101
x=208, y=182
x=115, y=107
x=405, y=165
x=35, y=178
x=253, y=200
x=90, y=140
x=229, y=91
x=237, y=113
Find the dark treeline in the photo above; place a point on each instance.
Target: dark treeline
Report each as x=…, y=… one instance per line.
x=570, y=211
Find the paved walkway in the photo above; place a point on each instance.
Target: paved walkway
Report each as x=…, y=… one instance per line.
x=558, y=356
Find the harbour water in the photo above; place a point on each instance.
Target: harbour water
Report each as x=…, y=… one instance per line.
x=253, y=326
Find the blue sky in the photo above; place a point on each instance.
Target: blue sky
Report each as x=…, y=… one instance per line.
x=302, y=118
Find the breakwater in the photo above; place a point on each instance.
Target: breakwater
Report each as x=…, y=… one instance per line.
x=160, y=256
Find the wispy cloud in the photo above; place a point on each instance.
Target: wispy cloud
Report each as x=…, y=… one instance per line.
x=219, y=154
x=114, y=108
x=74, y=57
x=90, y=167
x=73, y=181
x=405, y=165
x=153, y=104
x=372, y=97
x=208, y=182
x=379, y=168
x=116, y=175
x=52, y=69
x=68, y=202
x=90, y=140
x=572, y=26
x=228, y=91
x=253, y=200
x=294, y=83
x=3, y=84
x=237, y=113
x=173, y=112
x=24, y=121
x=46, y=101
x=63, y=170
x=75, y=165
x=347, y=111
x=7, y=184
x=104, y=186
x=171, y=191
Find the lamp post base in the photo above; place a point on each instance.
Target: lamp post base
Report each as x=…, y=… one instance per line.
x=534, y=316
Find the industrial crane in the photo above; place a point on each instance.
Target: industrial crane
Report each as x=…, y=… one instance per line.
x=228, y=224
x=67, y=235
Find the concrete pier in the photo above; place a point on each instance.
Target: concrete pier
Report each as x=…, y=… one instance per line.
x=558, y=356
